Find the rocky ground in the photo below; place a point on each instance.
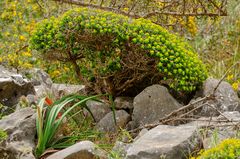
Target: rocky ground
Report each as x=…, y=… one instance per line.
x=161, y=126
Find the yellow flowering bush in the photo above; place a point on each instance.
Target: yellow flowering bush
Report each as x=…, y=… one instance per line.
x=227, y=149
x=116, y=52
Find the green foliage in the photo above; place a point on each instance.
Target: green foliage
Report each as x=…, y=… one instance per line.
x=99, y=43
x=229, y=149
x=49, y=120
x=3, y=135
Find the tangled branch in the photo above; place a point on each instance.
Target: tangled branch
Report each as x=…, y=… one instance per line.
x=160, y=9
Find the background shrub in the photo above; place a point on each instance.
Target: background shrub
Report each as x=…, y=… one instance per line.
x=113, y=53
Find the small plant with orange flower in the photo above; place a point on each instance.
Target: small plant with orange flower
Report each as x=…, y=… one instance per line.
x=49, y=118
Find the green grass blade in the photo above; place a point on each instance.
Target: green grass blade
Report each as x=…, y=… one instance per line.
x=51, y=120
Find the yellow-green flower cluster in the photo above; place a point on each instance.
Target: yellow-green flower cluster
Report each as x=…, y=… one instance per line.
x=76, y=32
x=227, y=149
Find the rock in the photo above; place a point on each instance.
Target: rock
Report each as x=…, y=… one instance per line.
x=66, y=89
x=98, y=109
x=42, y=91
x=216, y=135
x=31, y=99
x=211, y=137
x=120, y=148
x=232, y=116
x=107, y=124
x=40, y=77
x=130, y=125
x=21, y=129
x=168, y=142
x=45, y=87
x=141, y=133
x=153, y=103
x=81, y=150
x=123, y=103
x=226, y=99
x=12, y=87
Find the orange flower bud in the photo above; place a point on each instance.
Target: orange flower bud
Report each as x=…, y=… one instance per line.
x=48, y=101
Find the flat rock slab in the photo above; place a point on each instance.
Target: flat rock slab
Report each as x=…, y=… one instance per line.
x=153, y=103
x=81, y=150
x=169, y=142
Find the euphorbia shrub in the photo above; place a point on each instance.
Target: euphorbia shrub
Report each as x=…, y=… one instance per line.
x=227, y=149
x=116, y=54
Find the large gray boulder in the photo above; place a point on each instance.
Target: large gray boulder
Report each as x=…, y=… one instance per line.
x=153, y=103
x=225, y=98
x=21, y=129
x=81, y=150
x=107, y=123
x=163, y=141
x=98, y=109
x=12, y=87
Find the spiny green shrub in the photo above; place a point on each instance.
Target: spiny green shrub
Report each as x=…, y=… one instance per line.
x=228, y=148
x=113, y=53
